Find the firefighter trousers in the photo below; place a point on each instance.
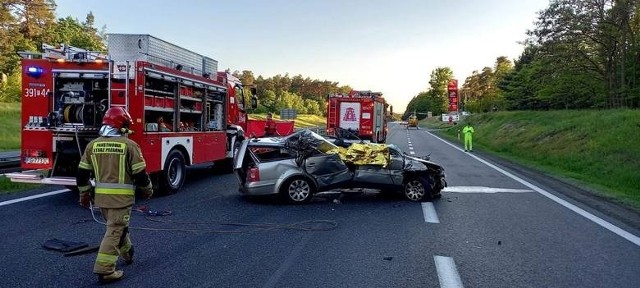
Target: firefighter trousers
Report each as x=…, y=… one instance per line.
x=116, y=239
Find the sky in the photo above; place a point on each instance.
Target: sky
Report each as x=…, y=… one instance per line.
x=380, y=45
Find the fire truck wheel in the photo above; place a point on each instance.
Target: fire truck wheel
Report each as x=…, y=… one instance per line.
x=174, y=172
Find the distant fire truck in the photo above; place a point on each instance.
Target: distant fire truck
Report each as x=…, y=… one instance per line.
x=361, y=113
x=184, y=111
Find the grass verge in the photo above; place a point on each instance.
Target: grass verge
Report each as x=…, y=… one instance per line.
x=6, y=186
x=597, y=149
x=9, y=126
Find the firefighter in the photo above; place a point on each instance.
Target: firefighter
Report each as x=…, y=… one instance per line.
x=468, y=137
x=270, y=126
x=118, y=167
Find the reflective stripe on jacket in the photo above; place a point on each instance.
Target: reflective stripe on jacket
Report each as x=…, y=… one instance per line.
x=113, y=161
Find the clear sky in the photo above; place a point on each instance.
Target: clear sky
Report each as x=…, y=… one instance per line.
x=382, y=45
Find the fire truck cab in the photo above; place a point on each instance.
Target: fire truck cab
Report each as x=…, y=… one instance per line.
x=184, y=111
x=361, y=113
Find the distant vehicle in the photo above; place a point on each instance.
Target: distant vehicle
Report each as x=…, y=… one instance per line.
x=413, y=121
x=362, y=112
x=295, y=168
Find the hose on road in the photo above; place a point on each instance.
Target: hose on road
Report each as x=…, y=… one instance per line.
x=307, y=225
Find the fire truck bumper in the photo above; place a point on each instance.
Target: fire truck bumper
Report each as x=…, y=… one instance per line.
x=37, y=177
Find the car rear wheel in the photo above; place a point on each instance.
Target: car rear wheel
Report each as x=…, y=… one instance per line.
x=417, y=189
x=298, y=190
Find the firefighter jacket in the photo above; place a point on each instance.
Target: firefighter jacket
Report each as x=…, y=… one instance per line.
x=114, y=161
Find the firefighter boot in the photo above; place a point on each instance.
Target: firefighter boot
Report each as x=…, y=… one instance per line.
x=128, y=256
x=108, y=278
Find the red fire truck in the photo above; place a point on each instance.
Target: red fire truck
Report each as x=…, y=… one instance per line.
x=361, y=113
x=184, y=111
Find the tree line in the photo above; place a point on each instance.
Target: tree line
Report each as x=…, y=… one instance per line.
x=580, y=54
x=26, y=24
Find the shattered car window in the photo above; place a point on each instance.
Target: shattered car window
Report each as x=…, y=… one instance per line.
x=267, y=154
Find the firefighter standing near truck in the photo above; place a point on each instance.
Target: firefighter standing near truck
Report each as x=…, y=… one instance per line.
x=468, y=137
x=117, y=164
x=270, y=126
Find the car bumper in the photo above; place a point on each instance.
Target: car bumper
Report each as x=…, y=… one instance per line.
x=257, y=189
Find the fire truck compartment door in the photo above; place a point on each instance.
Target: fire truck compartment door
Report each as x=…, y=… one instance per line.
x=350, y=115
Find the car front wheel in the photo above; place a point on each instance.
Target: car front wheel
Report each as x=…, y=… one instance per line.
x=417, y=189
x=297, y=190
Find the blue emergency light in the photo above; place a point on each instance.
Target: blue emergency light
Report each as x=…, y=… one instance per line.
x=34, y=71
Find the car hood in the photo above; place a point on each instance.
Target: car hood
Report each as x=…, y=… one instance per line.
x=419, y=164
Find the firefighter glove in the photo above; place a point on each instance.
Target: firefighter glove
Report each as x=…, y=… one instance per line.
x=85, y=199
x=147, y=191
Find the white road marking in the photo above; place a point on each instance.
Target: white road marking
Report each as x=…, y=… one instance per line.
x=447, y=272
x=410, y=148
x=480, y=189
x=603, y=223
x=8, y=202
x=429, y=212
x=412, y=153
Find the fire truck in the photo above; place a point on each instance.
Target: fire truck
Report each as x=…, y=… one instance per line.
x=184, y=111
x=360, y=113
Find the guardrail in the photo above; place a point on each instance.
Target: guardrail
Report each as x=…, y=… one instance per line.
x=9, y=159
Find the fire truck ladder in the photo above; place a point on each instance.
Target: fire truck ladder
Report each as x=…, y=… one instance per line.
x=127, y=78
x=333, y=112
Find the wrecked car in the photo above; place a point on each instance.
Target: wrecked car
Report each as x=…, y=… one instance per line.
x=300, y=165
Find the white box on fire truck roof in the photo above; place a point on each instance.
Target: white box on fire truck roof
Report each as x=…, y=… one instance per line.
x=142, y=47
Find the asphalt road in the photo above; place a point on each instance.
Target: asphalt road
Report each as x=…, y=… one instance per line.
x=488, y=230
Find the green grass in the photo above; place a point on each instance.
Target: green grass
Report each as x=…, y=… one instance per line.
x=9, y=126
x=597, y=149
x=6, y=186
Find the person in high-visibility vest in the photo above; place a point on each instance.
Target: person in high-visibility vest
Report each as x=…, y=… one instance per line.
x=118, y=167
x=468, y=137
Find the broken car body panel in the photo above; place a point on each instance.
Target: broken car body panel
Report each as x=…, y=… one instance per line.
x=264, y=165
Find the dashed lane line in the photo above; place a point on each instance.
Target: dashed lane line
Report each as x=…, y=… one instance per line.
x=429, y=212
x=603, y=223
x=447, y=272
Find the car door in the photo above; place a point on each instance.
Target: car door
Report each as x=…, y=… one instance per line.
x=328, y=170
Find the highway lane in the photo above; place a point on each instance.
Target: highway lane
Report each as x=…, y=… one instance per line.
x=504, y=239
x=519, y=238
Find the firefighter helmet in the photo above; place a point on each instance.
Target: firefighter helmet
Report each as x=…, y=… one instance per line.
x=117, y=117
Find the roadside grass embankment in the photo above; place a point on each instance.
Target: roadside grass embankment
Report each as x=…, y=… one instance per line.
x=9, y=126
x=596, y=149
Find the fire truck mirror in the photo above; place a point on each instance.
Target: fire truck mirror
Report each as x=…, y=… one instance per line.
x=254, y=102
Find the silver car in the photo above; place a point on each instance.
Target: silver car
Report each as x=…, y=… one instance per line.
x=296, y=170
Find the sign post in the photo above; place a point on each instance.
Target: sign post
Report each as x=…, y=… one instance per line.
x=452, y=91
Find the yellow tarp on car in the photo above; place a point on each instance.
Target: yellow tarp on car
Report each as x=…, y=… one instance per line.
x=364, y=154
